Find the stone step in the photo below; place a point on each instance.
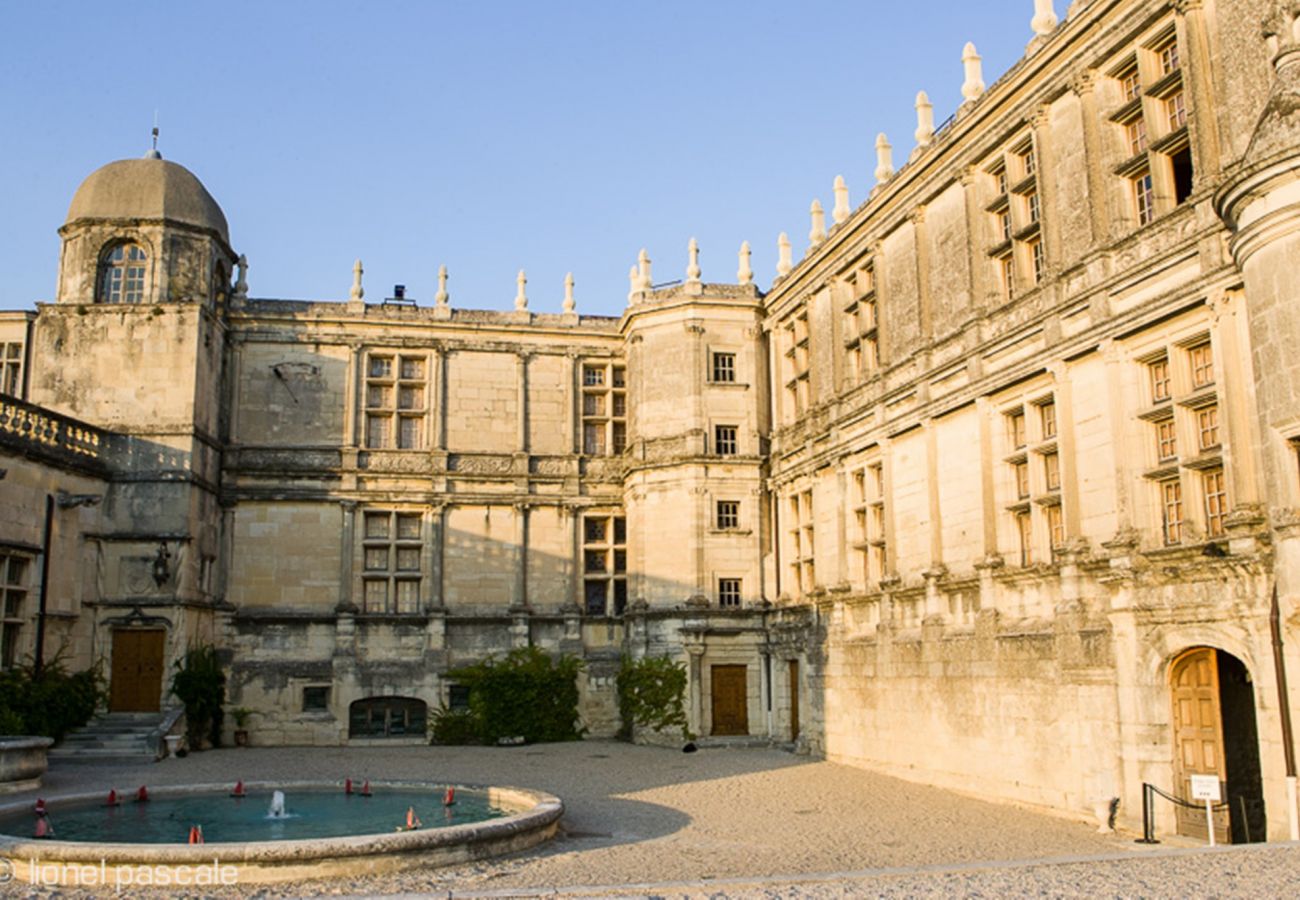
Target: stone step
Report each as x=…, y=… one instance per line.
x=99, y=756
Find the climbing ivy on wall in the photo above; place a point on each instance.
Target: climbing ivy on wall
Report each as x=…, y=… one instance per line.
x=525, y=695
x=652, y=694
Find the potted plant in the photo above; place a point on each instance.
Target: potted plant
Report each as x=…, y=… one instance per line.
x=200, y=684
x=241, y=715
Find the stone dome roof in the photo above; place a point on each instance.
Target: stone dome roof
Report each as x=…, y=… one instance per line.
x=147, y=189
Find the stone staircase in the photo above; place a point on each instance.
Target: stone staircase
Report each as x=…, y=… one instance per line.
x=115, y=738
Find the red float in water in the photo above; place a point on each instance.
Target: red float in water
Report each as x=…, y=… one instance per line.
x=347, y=786
x=365, y=788
x=142, y=795
x=40, y=806
x=239, y=790
x=43, y=828
x=196, y=834
x=412, y=823
x=449, y=797
x=113, y=799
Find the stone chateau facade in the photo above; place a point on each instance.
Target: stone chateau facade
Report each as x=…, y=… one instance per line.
x=994, y=489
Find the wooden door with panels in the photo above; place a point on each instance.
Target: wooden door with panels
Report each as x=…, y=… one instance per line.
x=730, y=688
x=1198, y=738
x=136, y=680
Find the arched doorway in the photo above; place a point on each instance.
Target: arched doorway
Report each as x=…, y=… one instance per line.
x=1215, y=734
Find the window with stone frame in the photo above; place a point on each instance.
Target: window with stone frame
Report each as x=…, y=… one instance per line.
x=1017, y=254
x=723, y=370
x=11, y=369
x=725, y=441
x=869, y=522
x=604, y=564
x=727, y=515
x=729, y=593
x=1149, y=112
x=1185, y=462
x=122, y=269
x=795, y=356
x=14, y=569
x=396, y=400
x=801, y=538
x=1214, y=492
x=1032, y=495
x=861, y=330
x=392, y=547
x=604, y=408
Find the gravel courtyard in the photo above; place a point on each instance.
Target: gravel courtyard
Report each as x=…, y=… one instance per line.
x=645, y=821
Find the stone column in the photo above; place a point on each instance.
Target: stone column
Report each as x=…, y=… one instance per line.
x=923, y=301
x=347, y=553
x=573, y=397
x=932, y=487
x=1062, y=396
x=696, y=381
x=1085, y=87
x=443, y=361
x=1116, y=400
x=695, y=651
x=1230, y=340
x=576, y=593
x=976, y=239
x=1198, y=82
x=1050, y=207
x=884, y=339
x=702, y=586
x=355, y=386
x=520, y=599
x=522, y=415
x=988, y=464
x=438, y=438
x=436, y=546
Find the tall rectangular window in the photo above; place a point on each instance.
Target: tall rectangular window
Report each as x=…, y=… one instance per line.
x=11, y=369
x=604, y=408
x=802, y=537
x=1166, y=441
x=1207, y=427
x=1055, y=528
x=1216, y=501
x=1175, y=110
x=724, y=440
x=13, y=601
x=1016, y=429
x=1144, y=197
x=396, y=398
x=724, y=368
x=1158, y=372
x=1047, y=419
x=1025, y=537
x=1171, y=508
x=391, y=570
x=1052, y=471
x=1135, y=134
x=604, y=564
x=729, y=593
x=1202, y=363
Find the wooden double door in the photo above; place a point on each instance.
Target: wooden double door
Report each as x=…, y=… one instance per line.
x=135, y=684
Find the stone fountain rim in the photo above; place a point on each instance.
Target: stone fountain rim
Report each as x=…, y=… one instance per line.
x=531, y=810
x=25, y=742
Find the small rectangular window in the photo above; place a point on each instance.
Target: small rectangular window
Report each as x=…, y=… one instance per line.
x=316, y=698
x=1047, y=419
x=1135, y=134
x=1130, y=83
x=1022, y=480
x=724, y=440
x=457, y=697
x=1016, y=429
x=593, y=376
x=728, y=514
x=729, y=593
x=1056, y=528
x=724, y=368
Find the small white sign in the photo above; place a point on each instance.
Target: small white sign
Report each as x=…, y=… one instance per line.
x=1206, y=787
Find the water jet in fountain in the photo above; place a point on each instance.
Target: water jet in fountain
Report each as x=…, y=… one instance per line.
x=277, y=806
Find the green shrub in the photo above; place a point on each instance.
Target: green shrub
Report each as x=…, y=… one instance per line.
x=455, y=727
x=652, y=694
x=200, y=684
x=526, y=695
x=51, y=704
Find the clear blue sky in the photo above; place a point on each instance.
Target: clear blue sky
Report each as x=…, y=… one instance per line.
x=489, y=136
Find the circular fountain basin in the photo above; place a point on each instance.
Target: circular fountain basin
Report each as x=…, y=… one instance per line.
x=323, y=833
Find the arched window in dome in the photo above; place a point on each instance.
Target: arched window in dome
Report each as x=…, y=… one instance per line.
x=121, y=274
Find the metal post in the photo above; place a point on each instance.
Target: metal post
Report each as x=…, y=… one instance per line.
x=1148, y=817
x=38, y=658
x=1284, y=708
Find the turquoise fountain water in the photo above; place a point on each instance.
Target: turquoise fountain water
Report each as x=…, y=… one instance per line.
x=258, y=816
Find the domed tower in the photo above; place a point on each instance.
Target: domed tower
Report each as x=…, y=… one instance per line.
x=135, y=344
x=144, y=231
